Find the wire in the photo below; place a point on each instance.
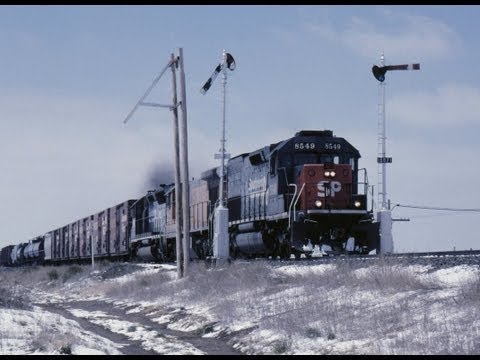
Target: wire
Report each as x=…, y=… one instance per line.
x=437, y=208
x=438, y=214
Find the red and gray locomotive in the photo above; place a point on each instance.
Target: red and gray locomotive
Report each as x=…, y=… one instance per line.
x=288, y=197
x=283, y=199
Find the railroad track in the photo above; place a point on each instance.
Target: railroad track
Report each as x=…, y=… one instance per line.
x=436, y=259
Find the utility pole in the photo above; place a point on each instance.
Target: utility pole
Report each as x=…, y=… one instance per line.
x=221, y=248
x=384, y=215
x=184, y=166
x=172, y=64
x=91, y=249
x=178, y=223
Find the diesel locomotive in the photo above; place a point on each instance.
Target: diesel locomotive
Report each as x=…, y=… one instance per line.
x=284, y=199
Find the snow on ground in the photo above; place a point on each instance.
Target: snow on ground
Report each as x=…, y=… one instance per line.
x=20, y=329
x=458, y=275
x=413, y=314
x=150, y=339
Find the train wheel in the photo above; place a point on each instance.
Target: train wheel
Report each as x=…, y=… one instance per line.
x=284, y=252
x=297, y=254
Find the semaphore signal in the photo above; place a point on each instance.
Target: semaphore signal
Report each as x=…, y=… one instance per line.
x=229, y=62
x=379, y=71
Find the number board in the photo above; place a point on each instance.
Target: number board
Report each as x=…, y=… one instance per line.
x=384, y=160
x=304, y=145
x=332, y=146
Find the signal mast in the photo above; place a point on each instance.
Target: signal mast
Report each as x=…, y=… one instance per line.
x=220, y=237
x=384, y=214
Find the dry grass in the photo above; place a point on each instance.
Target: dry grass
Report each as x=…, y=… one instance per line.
x=382, y=300
x=48, y=341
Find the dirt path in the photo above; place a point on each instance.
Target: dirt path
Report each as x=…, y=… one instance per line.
x=130, y=347
x=210, y=346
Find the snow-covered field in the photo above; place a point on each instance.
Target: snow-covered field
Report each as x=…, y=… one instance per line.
x=261, y=307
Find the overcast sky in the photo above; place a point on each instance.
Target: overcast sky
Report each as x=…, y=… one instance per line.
x=70, y=75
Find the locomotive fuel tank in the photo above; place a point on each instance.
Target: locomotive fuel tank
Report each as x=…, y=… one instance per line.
x=250, y=242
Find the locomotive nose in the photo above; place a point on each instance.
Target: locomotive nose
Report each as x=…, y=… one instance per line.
x=325, y=186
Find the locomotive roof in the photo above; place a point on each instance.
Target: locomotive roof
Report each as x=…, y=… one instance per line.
x=325, y=137
x=322, y=135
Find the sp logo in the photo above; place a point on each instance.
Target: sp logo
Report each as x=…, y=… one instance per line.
x=328, y=188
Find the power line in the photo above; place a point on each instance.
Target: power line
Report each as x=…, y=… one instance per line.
x=435, y=215
x=438, y=208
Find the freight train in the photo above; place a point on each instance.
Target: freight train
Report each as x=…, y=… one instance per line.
x=283, y=199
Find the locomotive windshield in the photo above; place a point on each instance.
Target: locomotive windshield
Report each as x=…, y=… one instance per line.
x=301, y=159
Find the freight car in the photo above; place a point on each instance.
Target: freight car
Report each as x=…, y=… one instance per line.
x=105, y=233
x=283, y=199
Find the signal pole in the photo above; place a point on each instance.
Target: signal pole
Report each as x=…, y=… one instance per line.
x=221, y=248
x=221, y=238
x=382, y=150
x=384, y=215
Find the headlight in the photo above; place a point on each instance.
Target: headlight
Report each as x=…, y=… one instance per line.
x=318, y=203
x=332, y=173
x=357, y=204
x=327, y=173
